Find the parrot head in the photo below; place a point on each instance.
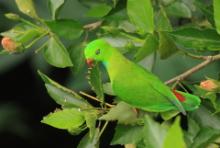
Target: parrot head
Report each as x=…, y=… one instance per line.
x=97, y=50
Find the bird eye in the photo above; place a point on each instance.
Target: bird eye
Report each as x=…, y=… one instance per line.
x=97, y=52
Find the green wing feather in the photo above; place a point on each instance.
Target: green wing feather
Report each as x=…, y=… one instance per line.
x=141, y=88
x=135, y=85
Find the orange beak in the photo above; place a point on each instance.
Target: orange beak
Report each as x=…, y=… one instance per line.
x=90, y=62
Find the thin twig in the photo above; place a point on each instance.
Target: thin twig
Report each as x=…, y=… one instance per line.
x=94, y=98
x=207, y=60
x=103, y=129
x=93, y=26
x=199, y=57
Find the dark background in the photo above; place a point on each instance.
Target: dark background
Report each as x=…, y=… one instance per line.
x=23, y=97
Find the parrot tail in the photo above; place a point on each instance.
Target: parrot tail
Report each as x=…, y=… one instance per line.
x=189, y=102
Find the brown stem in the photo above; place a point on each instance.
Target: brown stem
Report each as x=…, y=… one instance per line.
x=92, y=26
x=94, y=98
x=207, y=60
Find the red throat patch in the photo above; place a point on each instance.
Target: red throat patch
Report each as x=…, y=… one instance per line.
x=89, y=62
x=179, y=96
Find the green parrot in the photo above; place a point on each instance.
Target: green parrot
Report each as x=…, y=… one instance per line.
x=135, y=85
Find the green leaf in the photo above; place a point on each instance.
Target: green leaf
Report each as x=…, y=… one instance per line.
x=206, y=10
x=127, y=26
x=205, y=137
x=127, y=134
x=68, y=29
x=174, y=136
x=179, y=9
x=141, y=14
x=204, y=129
x=166, y=45
x=90, y=142
x=91, y=117
x=216, y=5
x=205, y=118
x=65, y=119
x=96, y=82
x=115, y=113
x=99, y=10
x=150, y=45
x=27, y=7
x=55, y=6
x=62, y=95
x=23, y=33
x=193, y=38
x=169, y=114
x=64, y=98
x=211, y=96
x=107, y=87
x=163, y=22
x=78, y=58
x=167, y=2
x=153, y=133
x=56, y=54
x=193, y=129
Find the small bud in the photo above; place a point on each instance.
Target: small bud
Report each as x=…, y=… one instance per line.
x=8, y=44
x=12, y=16
x=209, y=85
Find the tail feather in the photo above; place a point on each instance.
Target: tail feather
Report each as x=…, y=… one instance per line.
x=189, y=102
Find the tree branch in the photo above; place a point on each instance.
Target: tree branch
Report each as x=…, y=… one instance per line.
x=92, y=26
x=207, y=60
x=94, y=98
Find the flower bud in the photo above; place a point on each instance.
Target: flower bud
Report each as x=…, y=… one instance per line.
x=209, y=85
x=8, y=44
x=12, y=16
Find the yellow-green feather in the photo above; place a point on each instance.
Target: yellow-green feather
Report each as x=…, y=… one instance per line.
x=131, y=83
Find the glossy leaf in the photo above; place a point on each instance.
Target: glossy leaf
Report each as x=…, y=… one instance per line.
x=55, y=6
x=77, y=57
x=62, y=95
x=179, y=9
x=56, y=54
x=68, y=29
x=174, y=136
x=27, y=7
x=89, y=142
x=127, y=134
x=167, y=47
x=216, y=6
x=115, y=113
x=96, y=82
x=141, y=14
x=150, y=45
x=99, y=10
x=65, y=119
x=153, y=133
x=192, y=38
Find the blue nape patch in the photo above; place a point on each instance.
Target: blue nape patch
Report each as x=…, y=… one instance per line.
x=105, y=64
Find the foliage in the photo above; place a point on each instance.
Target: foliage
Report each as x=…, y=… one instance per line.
x=139, y=29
